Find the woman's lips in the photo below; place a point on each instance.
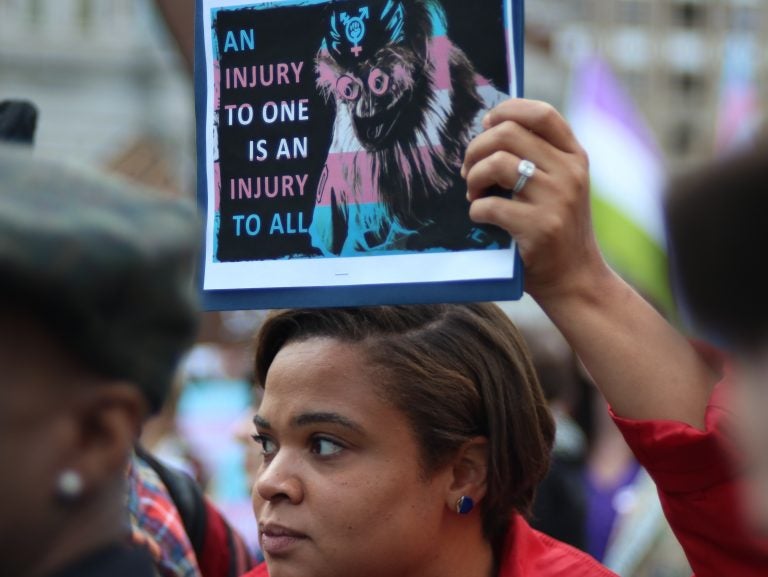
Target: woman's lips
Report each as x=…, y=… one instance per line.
x=278, y=540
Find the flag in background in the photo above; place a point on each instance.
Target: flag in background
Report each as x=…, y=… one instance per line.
x=739, y=116
x=628, y=177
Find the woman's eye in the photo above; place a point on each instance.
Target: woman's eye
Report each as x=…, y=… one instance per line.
x=325, y=447
x=268, y=446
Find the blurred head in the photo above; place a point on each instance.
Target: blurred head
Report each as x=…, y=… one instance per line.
x=96, y=307
x=718, y=237
x=375, y=421
x=56, y=417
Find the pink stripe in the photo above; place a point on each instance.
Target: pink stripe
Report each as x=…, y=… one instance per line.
x=352, y=172
x=342, y=168
x=325, y=74
x=216, y=85
x=740, y=109
x=740, y=104
x=440, y=48
x=216, y=102
x=217, y=184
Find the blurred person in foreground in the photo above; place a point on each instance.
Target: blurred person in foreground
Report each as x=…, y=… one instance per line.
x=97, y=306
x=408, y=442
x=717, y=218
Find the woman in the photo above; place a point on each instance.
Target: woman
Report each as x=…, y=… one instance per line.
x=716, y=218
x=402, y=441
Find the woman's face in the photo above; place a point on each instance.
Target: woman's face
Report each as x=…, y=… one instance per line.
x=341, y=491
x=36, y=439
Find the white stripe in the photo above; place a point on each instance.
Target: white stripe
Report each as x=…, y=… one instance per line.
x=623, y=171
x=345, y=141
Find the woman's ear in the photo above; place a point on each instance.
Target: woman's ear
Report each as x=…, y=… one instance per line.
x=470, y=473
x=109, y=419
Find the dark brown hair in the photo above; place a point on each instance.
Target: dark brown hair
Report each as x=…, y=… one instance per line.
x=456, y=372
x=716, y=218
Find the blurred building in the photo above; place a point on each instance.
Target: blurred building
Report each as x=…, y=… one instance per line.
x=111, y=90
x=670, y=54
x=108, y=84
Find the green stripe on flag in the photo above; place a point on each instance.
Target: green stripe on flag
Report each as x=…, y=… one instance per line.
x=632, y=252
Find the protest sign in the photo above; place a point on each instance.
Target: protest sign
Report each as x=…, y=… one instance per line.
x=330, y=139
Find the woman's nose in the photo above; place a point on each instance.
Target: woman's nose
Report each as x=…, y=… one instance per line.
x=280, y=479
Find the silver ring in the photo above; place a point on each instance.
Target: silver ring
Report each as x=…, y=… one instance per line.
x=527, y=169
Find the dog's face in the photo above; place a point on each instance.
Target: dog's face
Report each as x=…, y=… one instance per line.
x=371, y=63
x=376, y=95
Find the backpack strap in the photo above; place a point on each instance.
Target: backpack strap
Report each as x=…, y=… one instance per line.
x=186, y=495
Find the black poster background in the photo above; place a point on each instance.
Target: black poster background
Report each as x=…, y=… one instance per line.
x=294, y=34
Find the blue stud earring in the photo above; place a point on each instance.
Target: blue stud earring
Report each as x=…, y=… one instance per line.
x=464, y=505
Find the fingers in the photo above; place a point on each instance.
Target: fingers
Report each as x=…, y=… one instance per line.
x=523, y=129
x=550, y=216
x=500, y=169
x=539, y=117
x=510, y=215
x=514, y=138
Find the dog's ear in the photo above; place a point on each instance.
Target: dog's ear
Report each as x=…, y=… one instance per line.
x=394, y=19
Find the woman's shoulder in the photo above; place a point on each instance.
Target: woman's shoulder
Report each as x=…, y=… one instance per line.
x=530, y=552
x=259, y=571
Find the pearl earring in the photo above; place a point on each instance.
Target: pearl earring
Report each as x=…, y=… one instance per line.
x=69, y=485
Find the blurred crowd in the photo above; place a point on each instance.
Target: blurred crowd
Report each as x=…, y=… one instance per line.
x=578, y=432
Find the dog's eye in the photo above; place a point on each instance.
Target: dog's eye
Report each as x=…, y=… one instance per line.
x=378, y=81
x=348, y=88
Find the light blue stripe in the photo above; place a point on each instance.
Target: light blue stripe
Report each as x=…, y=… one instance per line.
x=216, y=229
x=437, y=15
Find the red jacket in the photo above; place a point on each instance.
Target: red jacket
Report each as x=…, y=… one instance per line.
x=530, y=554
x=698, y=485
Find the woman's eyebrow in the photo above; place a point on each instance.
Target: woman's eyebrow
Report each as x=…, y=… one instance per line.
x=261, y=422
x=305, y=419
x=326, y=418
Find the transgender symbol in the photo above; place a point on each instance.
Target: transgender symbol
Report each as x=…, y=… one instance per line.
x=355, y=28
